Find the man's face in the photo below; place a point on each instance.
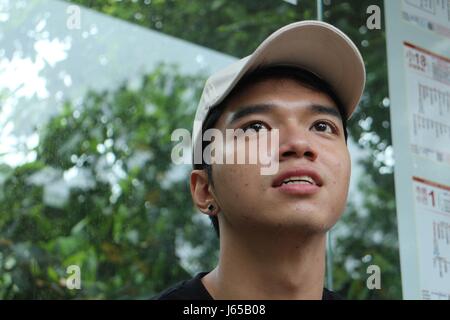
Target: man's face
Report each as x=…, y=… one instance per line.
x=311, y=140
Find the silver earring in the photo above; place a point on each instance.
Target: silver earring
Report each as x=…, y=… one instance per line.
x=211, y=208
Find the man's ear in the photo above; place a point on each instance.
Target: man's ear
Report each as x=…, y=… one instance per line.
x=200, y=191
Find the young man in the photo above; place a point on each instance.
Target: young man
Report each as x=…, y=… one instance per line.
x=304, y=81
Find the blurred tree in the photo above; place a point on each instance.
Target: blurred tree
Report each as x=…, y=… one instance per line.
x=102, y=195
x=124, y=230
x=371, y=236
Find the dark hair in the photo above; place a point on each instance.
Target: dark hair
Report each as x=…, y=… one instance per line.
x=306, y=78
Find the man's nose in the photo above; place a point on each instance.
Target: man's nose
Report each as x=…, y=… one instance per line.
x=297, y=144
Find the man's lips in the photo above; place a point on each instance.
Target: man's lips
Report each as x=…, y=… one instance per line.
x=298, y=189
x=299, y=182
x=295, y=173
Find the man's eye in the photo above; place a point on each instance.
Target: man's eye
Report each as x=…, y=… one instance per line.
x=255, y=126
x=324, y=127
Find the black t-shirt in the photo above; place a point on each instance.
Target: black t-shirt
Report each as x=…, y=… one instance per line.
x=194, y=289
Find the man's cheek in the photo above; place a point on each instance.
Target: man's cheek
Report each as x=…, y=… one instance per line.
x=244, y=179
x=341, y=169
x=231, y=175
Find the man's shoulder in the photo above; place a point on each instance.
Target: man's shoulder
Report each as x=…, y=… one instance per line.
x=176, y=292
x=191, y=289
x=330, y=295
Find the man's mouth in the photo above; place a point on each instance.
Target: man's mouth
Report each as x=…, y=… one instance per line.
x=300, y=176
x=299, y=180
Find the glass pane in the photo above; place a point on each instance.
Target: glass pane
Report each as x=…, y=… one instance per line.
x=90, y=94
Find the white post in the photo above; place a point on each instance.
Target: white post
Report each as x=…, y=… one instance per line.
x=329, y=249
x=319, y=10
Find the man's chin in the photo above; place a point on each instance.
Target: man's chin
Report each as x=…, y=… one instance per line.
x=295, y=226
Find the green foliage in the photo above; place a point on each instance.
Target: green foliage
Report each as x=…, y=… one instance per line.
x=122, y=226
x=373, y=228
x=231, y=26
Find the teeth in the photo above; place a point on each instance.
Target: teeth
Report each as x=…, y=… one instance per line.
x=299, y=180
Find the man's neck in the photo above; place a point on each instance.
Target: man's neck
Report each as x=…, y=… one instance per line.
x=269, y=267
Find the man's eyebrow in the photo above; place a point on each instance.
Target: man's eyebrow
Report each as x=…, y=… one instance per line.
x=320, y=109
x=266, y=107
x=251, y=109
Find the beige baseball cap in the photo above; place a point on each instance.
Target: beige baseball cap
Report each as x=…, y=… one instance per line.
x=311, y=45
